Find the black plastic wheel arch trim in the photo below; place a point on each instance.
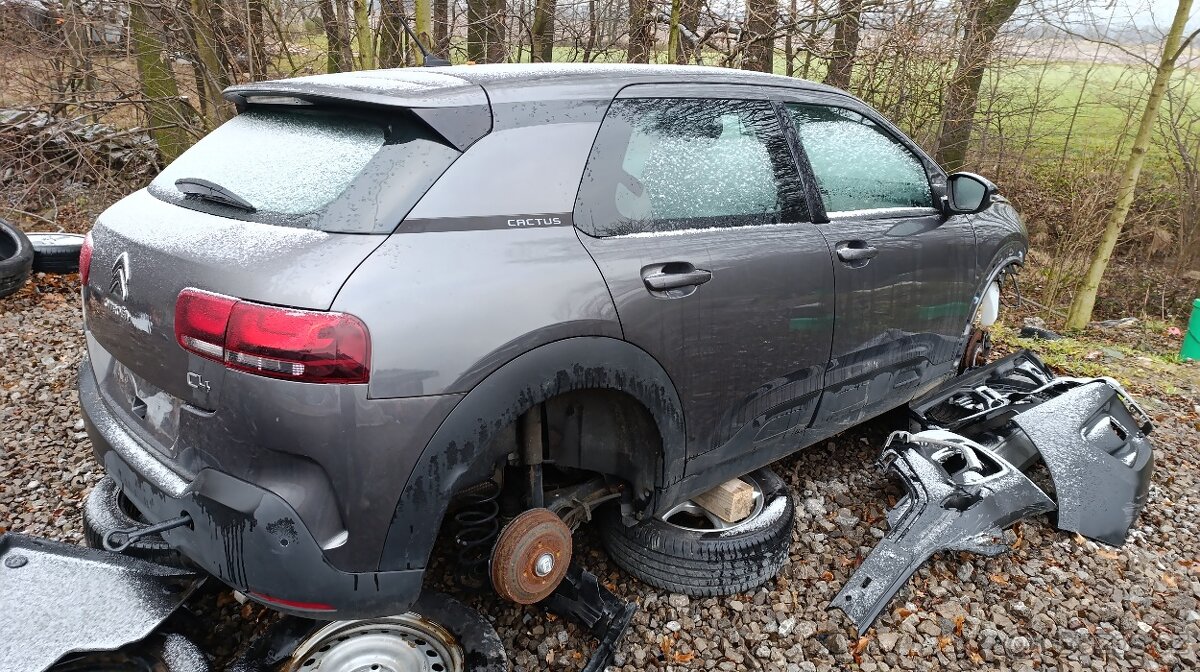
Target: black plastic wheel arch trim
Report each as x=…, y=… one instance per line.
x=460, y=452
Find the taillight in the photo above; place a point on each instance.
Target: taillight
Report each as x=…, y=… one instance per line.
x=85, y=258
x=303, y=345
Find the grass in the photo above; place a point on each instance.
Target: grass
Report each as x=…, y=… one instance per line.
x=1137, y=357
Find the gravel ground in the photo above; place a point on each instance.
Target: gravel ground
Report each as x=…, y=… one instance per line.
x=1055, y=602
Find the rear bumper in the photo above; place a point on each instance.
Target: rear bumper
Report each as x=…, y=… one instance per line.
x=243, y=534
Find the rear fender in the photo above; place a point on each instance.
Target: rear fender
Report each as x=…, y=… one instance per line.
x=464, y=451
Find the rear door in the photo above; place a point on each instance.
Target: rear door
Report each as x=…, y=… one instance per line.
x=693, y=209
x=904, y=273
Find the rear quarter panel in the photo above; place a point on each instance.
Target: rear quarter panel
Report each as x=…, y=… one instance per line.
x=487, y=266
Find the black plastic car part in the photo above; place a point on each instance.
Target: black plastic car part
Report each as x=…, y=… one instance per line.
x=962, y=472
x=605, y=615
x=38, y=577
x=167, y=652
x=1098, y=455
x=960, y=497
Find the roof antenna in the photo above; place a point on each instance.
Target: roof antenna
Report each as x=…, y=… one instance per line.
x=428, y=60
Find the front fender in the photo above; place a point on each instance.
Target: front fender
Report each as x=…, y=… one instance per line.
x=462, y=452
x=1001, y=242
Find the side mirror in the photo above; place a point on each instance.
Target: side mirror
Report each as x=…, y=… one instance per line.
x=968, y=193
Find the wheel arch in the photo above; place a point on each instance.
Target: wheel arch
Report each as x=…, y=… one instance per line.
x=463, y=451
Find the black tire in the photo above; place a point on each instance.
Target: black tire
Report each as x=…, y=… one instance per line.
x=169, y=652
x=706, y=563
x=55, y=252
x=16, y=259
x=107, y=509
x=482, y=649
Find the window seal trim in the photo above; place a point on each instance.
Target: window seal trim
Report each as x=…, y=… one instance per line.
x=883, y=213
x=701, y=229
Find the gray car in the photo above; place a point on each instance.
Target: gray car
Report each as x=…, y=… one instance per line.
x=369, y=293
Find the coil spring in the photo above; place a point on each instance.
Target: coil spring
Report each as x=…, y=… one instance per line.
x=478, y=523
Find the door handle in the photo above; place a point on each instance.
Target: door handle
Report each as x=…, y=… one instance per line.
x=856, y=251
x=675, y=275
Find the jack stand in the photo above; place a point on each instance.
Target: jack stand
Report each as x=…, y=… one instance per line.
x=606, y=616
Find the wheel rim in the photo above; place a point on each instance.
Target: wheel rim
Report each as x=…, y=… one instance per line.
x=692, y=517
x=406, y=643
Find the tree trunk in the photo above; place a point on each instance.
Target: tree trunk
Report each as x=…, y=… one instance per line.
x=423, y=28
x=760, y=33
x=334, y=48
x=391, y=40
x=542, y=49
x=1085, y=298
x=362, y=35
x=845, y=43
x=641, y=32
x=789, y=47
x=689, y=22
x=441, y=28
x=476, y=30
x=163, y=106
x=497, y=48
x=984, y=20
x=256, y=49
x=212, y=75
x=485, y=31
x=593, y=29
x=674, y=41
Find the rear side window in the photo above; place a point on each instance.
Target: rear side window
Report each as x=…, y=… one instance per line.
x=287, y=163
x=857, y=164
x=665, y=164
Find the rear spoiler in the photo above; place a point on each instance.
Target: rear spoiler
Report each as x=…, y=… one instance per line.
x=454, y=108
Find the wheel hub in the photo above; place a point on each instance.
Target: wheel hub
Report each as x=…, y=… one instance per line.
x=407, y=643
x=979, y=346
x=695, y=518
x=531, y=556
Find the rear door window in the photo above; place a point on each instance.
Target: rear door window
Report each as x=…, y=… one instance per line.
x=665, y=164
x=291, y=165
x=857, y=164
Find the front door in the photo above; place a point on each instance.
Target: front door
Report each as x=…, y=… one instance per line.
x=694, y=213
x=905, y=274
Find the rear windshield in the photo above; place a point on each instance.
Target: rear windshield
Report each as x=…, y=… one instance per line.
x=281, y=162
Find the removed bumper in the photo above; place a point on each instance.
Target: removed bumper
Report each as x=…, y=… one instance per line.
x=962, y=472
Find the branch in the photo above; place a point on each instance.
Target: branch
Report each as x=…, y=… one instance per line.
x=1184, y=45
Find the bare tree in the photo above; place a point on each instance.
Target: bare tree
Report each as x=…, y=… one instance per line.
x=158, y=85
x=983, y=23
x=1175, y=44
x=337, y=41
x=542, y=49
x=845, y=43
x=761, y=17
x=641, y=31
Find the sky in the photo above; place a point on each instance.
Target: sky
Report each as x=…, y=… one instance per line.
x=1146, y=13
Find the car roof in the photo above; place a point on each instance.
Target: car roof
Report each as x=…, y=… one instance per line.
x=457, y=85
x=457, y=101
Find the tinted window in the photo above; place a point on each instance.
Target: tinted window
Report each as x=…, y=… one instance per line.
x=669, y=164
x=858, y=165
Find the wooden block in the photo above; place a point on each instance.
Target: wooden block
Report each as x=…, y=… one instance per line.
x=730, y=501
